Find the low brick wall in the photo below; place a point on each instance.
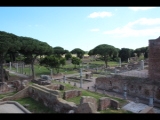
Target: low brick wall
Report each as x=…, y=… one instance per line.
x=114, y=104
x=56, y=92
x=106, y=102
x=51, y=100
x=56, y=87
x=88, y=76
x=87, y=107
x=71, y=93
x=21, y=94
x=4, y=87
x=86, y=99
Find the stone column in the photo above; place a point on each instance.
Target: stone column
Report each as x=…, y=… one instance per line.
x=23, y=68
x=125, y=91
x=17, y=67
x=151, y=101
x=64, y=78
x=106, y=72
x=128, y=60
x=51, y=73
x=97, y=69
x=115, y=71
x=119, y=62
x=80, y=78
x=30, y=71
x=142, y=64
x=10, y=66
x=95, y=88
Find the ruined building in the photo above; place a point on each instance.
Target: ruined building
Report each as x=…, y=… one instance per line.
x=154, y=59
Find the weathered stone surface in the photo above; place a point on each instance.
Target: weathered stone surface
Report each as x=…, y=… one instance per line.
x=50, y=99
x=86, y=99
x=56, y=87
x=86, y=108
x=46, y=77
x=71, y=93
x=104, y=103
x=114, y=104
x=3, y=87
x=154, y=59
x=88, y=76
x=42, y=81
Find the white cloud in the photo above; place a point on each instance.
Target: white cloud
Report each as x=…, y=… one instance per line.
x=129, y=30
x=94, y=30
x=140, y=8
x=100, y=14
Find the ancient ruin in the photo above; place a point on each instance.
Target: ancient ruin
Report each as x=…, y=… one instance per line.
x=154, y=59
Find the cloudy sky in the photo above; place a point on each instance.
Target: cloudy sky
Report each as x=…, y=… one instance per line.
x=84, y=27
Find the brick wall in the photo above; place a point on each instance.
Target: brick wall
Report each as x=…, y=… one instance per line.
x=71, y=93
x=154, y=59
x=142, y=88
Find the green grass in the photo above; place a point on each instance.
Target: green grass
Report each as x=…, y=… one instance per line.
x=66, y=69
x=7, y=94
x=34, y=106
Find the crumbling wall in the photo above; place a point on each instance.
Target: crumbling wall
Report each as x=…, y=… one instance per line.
x=138, y=87
x=50, y=99
x=56, y=87
x=86, y=99
x=106, y=102
x=71, y=93
x=21, y=94
x=154, y=59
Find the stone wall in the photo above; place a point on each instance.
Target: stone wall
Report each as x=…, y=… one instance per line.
x=106, y=102
x=56, y=87
x=154, y=59
x=21, y=94
x=51, y=100
x=86, y=108
x=71, y=93
x=138, y=87
x=4, y=87
x=86, y=99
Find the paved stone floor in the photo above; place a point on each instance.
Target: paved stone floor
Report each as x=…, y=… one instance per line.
x=10, y=108
x=136, y=73
x=137, y=107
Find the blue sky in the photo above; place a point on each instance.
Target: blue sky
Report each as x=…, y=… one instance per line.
x=84, y=27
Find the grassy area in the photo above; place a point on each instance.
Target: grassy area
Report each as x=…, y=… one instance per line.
x=7, y=94
x=34, y=106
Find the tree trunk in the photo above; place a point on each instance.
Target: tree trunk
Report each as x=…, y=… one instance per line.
x=32, y=67
x=105, y=60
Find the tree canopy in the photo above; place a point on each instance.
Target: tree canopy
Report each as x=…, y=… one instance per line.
x=53, y=61
x=8, y=42
x=59, y=51
x=105, y=51
x=125, y=53
x=80, y=53
x=76, y=61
